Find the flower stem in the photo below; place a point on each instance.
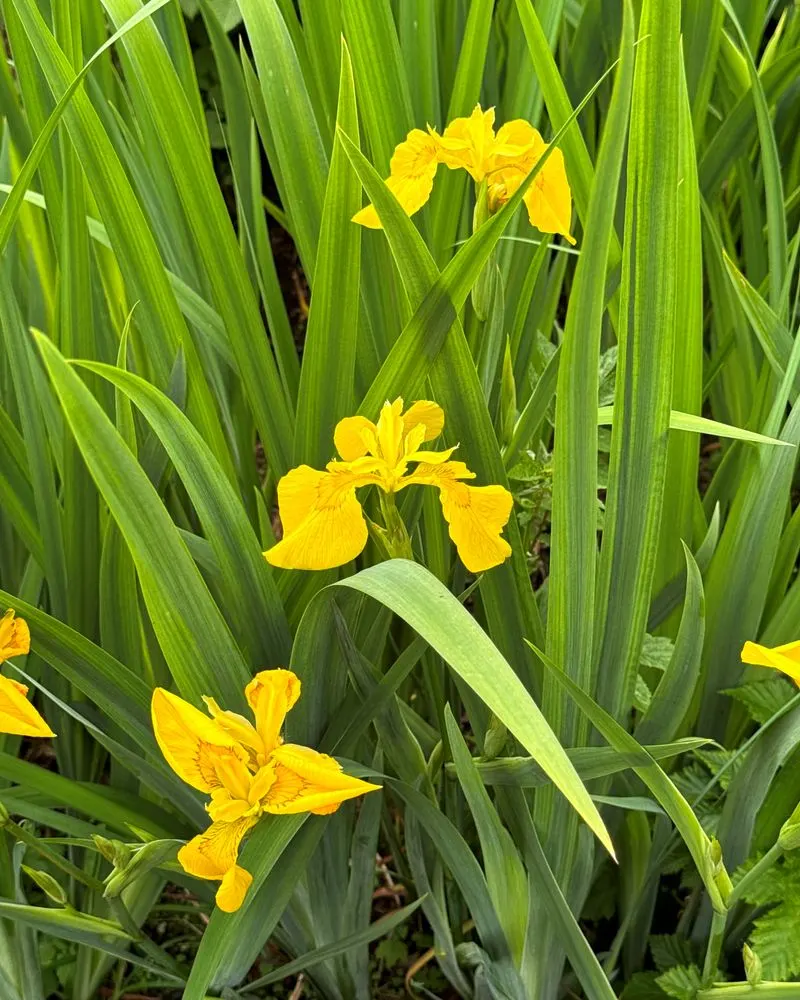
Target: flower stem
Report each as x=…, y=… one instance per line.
x=773, y=854
x=396, y=537
x=714, y=947
x=719, y=920
x=22, y=835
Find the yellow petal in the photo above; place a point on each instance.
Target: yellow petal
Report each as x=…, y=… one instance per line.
x=468, y=143
x=192, y=743
x=271, y=694
x=223, y=808
x=476, y=514
x=263, y=780
x=18, y=717
x=432, y=457
x=15, y=636
x=427, y=413
x=515, y=140
x=307, y=781
x=235, y=725
x=549, y=200
x=213, y=853
x=785, y=658
x=352, y=437
x=411, y=173
x=390, y=432
x=233, y=889
x=323, y=524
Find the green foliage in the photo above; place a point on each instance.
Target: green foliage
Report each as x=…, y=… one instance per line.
x=762, y=699
x=681, y=982
x=186, y=313
x=774, y=937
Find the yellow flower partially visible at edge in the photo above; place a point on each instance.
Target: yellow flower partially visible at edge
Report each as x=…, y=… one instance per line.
x=785, y=658
x=323, y=523
x=247, y=770
x=503, y=159
x=18, y=717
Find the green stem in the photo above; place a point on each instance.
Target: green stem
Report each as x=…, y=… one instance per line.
x=773, y=854
x=714, y=948
x=128, y=924
x=53, y=857
x=719, y=920
x=397, y=540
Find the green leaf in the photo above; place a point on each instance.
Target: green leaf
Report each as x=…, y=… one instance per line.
x=301, y=160
x=701, y=425
x=762, y=699
x=384, y=925
x=261, y=853
x=198, y=646
x=505, y=874
x=331, y=338
x=211, y=232
x=92, y=932
x=681, y=982
x=673, y=696
x=589, y=762
x=251, y=597
x=11, y=206
x=433, y=612
x=659, y=783
x=643, y=395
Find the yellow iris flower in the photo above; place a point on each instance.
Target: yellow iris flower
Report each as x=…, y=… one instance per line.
x=502, y=159
x=784, y=658
x=247, y=770
x=323, y=523
x=18, y=717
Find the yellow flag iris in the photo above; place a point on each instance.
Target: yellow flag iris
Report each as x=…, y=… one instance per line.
x=502, y=159
x=323, y=523
x=18, y=717
x=247, y=770
x=785, y=658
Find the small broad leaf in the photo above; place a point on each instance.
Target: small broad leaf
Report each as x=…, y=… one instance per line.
x=681, y=982
x=762, y=699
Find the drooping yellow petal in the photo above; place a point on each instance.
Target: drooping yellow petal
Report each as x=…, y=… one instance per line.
x=233, y=889
x=476, y=514
x=214, y=852
x=468, y=143
x=213, y=855
x=272, y=694
x=192, y=743
x=15, y=636
x=549, y=200
x=352, y=437
x=307, y=781
x=427, y=413
x=785, y=658
x=18, y=717
x=323, y=524
x=411, y=173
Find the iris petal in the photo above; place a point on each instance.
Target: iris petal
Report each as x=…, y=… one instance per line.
x=190, y=741
x=15, y=636
x=307, y=781
x=785, y=658
x=18, y=717
x=411, y=173
x=323, y=524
